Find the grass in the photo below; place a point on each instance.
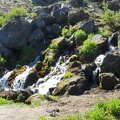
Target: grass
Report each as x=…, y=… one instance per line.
x=109, y=110
x=14, y=12
x=118, y=43
x=2, y=60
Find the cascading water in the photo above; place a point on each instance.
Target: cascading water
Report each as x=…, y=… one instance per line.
x=43, y=84
x=99, y=60
x=52, y=79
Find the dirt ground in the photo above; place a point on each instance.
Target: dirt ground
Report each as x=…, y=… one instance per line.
x=63, y=106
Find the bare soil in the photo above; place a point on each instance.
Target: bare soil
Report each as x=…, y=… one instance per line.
x=65, y=105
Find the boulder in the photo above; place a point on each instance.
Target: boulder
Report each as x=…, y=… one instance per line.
x=114, y=5
x=107, y=81
x=14, y=34
x=38, y=66
x=60, y=13
x=76, y=16
x=74, y=86
x=56, y=31
x=101, y=42
x=38, y=23
x=60, y=41
x=10, y=95
x=31, y=79
x=5, y=52
x=14, y=74
x=36, y=36
x=47, y=18
x=111, y=62
x=114, y=39
x=86, y=25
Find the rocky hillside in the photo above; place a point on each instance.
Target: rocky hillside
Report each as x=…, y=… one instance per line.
x=77, y=48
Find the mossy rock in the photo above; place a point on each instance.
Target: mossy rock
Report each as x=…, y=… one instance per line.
x=15, y=73
x=38, y=66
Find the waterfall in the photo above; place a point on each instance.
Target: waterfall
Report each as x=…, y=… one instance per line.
x=4, y=79
x=99, y=60
x=52, y=79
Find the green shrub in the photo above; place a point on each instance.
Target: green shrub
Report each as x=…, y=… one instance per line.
x=111, y=18
x=89, y=47
x=27, y=55
x=15, y=11
x=2, y=60
x=103, y=31
x=67, y=31
x=67, y=75
x=80, y=35
x=118, y=43
x=4, y=101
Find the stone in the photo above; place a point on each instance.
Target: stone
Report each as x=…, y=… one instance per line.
x=5, y=52
x=86, y=25
x=14, y=34
x=111, y=62
x=47, y=18
x=76, y=16
x=38, y=23
x=37, y=35
x=101, y=42
x=56, y=31
x=31, y=79
x=107, y=81
x=114, y=39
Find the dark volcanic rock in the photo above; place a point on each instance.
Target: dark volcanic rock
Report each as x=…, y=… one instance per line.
x=14, y=34
x=76, y=16
x=108, y=81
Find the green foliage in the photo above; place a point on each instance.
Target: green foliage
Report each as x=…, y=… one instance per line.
x=15, y=11
x=68, y=75
x=118, y=43
x=67, y=31
x=105, y=111
x=42, y=97
x=4, y=101
x=89, y=47
x=42, y=118
x=103, y=31
x=2, y=60
x=111, y=18
x=27, y=53
x=80, y=35
x=54, y=46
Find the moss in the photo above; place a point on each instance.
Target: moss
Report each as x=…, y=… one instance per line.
x=15, y=73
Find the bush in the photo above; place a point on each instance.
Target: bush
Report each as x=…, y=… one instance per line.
x=11, y=14
x=2, y=60
x=111, y=18
x=4, y=101
x=67, y=31
x=80, y=35
x=89, y=47
x=67, y=75
x=118, y=43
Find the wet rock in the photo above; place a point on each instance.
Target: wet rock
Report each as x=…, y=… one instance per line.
x=38, y=66
x=76, y=16
x=38, y=23
x=5, y=52
x=86, y=25
x=14, y=74
x=37, y=35
x=3, y=71
x=10, y=95
x=47, y=18
x=114, y=39
x=74, y=86
x=31, y=79
x=111, y=62
x=14, y=34
x=108, y=81
x=101, y=42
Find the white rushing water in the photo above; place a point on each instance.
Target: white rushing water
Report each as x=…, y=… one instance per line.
x=99, y=60
x=43, y=85
x=52, y=79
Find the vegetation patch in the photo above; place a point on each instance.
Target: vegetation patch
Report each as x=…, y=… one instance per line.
x=4, y=101
x=2, y=60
